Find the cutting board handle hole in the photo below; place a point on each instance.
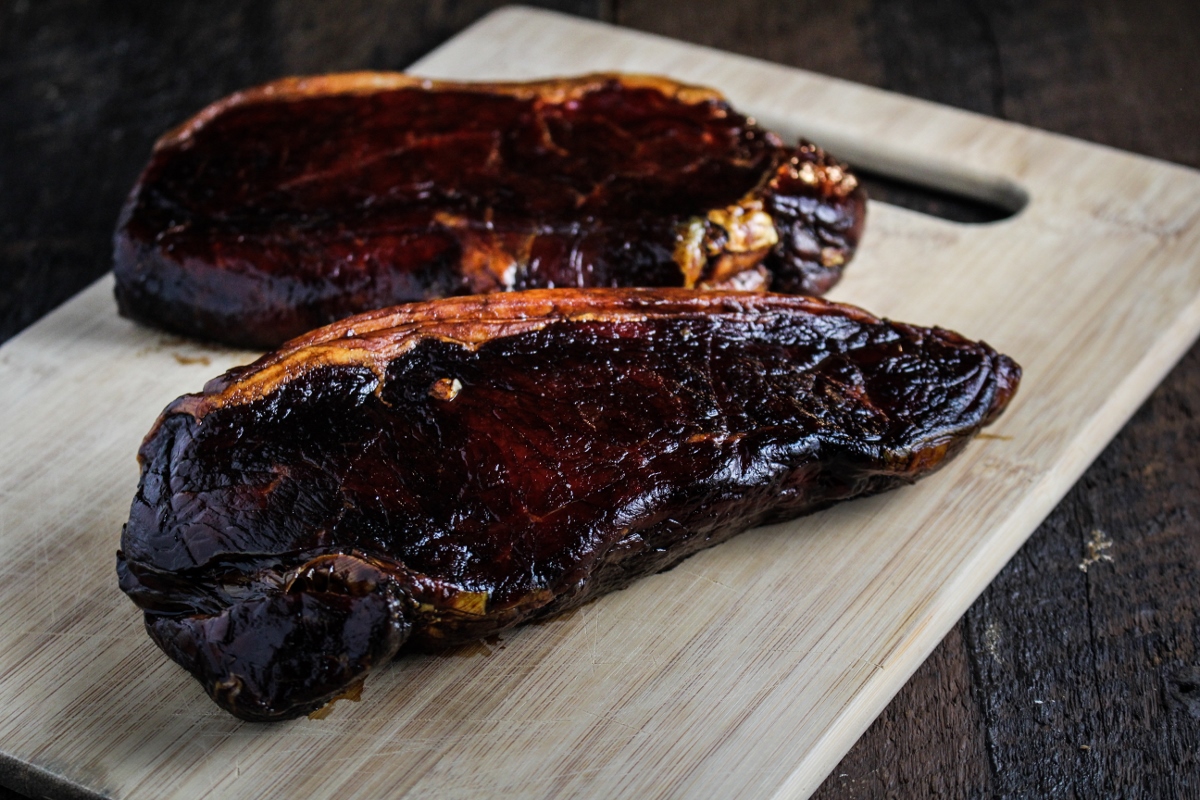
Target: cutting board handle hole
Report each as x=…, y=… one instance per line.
x=1001, y=203
x=922, y=181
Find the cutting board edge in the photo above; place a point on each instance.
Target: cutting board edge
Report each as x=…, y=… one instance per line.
x=37, y=781
x=949, y=605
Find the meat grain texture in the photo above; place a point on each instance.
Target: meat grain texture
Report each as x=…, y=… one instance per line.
x=432, y=474
x=289, y=206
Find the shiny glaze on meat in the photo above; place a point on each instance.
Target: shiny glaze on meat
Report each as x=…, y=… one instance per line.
x=301, y=202
x=435, y=473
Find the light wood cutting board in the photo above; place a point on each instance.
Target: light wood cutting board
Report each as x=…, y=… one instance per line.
x=746, y=671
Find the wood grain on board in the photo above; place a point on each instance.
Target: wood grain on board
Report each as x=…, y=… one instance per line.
x=989, y=637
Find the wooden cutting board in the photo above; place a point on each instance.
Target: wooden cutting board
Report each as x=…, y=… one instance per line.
x=746, y=671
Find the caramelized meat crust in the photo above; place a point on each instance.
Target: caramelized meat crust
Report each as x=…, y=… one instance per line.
x=304, y=201
x=432, y=474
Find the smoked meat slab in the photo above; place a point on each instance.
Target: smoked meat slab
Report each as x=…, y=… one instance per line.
x=303, y=201
x=431, y=474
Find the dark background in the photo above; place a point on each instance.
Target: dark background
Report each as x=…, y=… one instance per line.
x=1057, y=682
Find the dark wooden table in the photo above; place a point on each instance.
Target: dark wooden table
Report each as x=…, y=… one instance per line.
x=1058, y=682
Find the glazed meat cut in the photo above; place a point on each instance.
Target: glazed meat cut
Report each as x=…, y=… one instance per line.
x=289, y=206
x=432, y=474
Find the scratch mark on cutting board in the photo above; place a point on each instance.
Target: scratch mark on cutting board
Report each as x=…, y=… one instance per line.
x=708, y=579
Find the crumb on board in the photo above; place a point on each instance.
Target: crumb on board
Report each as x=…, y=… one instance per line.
x=1094, y=550
x=991, y=640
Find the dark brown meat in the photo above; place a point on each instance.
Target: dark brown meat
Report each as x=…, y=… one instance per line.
x=289, y=206
x=435, y=473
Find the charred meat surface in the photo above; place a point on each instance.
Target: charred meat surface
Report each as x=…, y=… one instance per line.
x=431, y=474
x=286, y=207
